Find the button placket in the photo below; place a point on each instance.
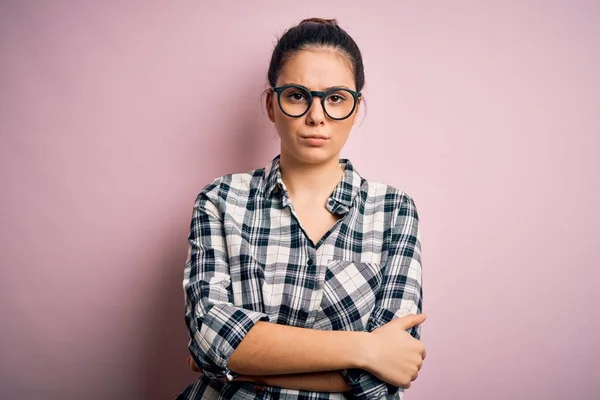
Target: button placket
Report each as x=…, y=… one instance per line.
x=316, y=270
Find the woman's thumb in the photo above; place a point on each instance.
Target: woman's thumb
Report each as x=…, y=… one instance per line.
x=412, y=320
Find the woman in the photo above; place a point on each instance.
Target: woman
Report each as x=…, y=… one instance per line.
x=303, y=279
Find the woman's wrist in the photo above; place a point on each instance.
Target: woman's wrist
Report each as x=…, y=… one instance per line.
x=361, y=351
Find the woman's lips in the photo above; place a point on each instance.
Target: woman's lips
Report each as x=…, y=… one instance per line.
x=315, y=140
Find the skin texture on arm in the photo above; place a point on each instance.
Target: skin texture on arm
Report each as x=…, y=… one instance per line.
x=272, y=349
x=330, y=381
x=265, y=356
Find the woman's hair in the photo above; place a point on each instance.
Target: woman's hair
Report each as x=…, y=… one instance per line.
x=316, y=33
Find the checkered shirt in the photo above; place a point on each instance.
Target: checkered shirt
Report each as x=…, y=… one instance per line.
x=250, y=260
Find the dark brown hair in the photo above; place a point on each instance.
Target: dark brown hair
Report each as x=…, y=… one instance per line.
x=316, y=32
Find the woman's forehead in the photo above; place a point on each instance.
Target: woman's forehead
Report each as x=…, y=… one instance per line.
x=317, y=70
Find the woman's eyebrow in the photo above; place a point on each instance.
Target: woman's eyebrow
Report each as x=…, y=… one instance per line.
x=324, y=90
x=336, y=87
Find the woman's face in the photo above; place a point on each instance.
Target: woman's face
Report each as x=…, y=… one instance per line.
x=317, y=70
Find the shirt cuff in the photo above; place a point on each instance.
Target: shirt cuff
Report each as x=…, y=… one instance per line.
x=366, y=386
x=223, y=329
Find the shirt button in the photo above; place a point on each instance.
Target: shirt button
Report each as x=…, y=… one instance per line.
x=310, y=262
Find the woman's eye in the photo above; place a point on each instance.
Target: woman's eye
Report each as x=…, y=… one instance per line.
x=336, y=98
x=296, y=96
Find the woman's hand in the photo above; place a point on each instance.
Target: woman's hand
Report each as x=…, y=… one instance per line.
x=392, y=354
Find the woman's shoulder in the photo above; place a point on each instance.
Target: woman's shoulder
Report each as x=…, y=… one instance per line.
x=238, y=186
x=385, y=195
x=389, y=204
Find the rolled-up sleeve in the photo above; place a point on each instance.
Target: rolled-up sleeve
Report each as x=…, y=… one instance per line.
x=216, y=327
x=400, y=293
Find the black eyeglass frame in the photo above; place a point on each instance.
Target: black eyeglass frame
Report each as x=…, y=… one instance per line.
x=314, y=93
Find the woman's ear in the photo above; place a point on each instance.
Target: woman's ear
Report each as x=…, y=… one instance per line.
x=269, y=104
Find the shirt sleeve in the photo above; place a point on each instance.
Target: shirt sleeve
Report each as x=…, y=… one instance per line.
x=400, y=294
x=216, y=327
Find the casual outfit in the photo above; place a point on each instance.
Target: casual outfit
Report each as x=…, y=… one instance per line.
x=250, y=260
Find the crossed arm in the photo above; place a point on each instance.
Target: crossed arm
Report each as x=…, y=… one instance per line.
x=329, y=381
x=226, y=338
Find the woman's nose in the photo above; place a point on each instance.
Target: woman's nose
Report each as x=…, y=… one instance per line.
x=315, y=114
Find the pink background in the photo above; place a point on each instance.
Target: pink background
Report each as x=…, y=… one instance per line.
x=113, y=115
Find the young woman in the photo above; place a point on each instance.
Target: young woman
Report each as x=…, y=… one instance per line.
x=303, y=279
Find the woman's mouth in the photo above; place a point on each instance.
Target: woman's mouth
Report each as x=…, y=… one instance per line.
x=315, y=140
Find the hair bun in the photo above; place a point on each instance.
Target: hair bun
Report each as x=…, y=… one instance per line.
x=323, y=21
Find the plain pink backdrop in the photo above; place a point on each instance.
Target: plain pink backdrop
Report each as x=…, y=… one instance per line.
x=113, y=115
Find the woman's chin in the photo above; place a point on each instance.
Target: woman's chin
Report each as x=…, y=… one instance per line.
x=314, y=155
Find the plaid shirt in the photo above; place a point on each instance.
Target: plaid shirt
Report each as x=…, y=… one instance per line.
x=250, y=261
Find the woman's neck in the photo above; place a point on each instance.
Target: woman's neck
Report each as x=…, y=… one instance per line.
x=310, y=180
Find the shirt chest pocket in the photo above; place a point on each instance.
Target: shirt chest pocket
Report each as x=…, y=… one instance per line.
x=349, y=293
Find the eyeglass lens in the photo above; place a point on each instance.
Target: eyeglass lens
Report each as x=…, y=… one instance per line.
x=294, y=101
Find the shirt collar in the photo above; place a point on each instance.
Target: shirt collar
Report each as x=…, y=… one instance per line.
x=343, y=194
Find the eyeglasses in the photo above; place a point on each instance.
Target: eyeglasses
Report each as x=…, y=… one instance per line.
x=295, y=101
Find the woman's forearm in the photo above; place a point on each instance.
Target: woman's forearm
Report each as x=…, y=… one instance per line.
x=330, y=381
x=272, y=349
